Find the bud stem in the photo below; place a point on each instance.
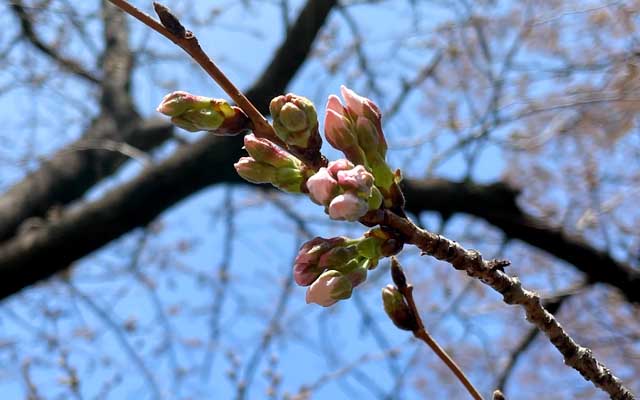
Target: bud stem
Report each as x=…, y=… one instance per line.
x=189, y=43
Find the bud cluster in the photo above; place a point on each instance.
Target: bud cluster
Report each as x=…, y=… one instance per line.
x=198, y=113
x=269, y=163
x=333, y=267
x=346, y=191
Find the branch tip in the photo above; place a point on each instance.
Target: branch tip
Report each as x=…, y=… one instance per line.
x=170, y=21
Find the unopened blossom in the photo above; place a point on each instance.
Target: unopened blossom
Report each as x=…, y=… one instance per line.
x=306, y=266
x=358, y=179
x=340, y=164
x=198, y=113
x=322, y=186
x=339, y=131
x=255, y=171
x=359, y=106
x=397, y=309
x=330, y=287
x=295, y=121
x=348, y=206
x=266, y=151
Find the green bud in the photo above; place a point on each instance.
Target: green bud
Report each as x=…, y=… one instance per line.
x=397, y=309
x=295, y=120
x=254, y=171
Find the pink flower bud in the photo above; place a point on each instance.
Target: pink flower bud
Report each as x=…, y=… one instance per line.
x=264, y=150
x=339, y=165
x=254, y=171
x=358, y=179
x=337, y=131
x=330, y=287
x=360, y=106
x=322, y=186
x=348, y=207
x=306, y=268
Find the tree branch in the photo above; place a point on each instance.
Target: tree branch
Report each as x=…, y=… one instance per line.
x=578, y=357
x=497, y=205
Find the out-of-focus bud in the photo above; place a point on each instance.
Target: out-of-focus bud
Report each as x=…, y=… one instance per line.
x=322, y=187
x=330, y=287
x=397, y=274
x=306, y=267
x=358, y=179
x=264, y=150
x=198, y=113
x=397, y=309
x=348, y=206
x=295, y=120
x=254, y=171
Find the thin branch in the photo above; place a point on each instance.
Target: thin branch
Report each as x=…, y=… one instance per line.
x=420, y=332
x=173, y=30
x=578, y=357
x=30, y=34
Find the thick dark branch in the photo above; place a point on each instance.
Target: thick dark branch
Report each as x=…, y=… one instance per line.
x=497, y=205
x=69, y=174
x=30, y=34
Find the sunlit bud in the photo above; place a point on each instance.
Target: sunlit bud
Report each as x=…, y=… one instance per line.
x=367, y=135
x=266, y=151
x=358, y=179
x=337, y=130
x=397, y=309
x=322, y=186
x=199, y=113
x=330, y=287
x=254, y=171
x=397, y=274
x=359, y=106
x=348, y=206
x=295, y=120
x=339, y=165
x=381, y=171
x=306, y=268
x=176, y=103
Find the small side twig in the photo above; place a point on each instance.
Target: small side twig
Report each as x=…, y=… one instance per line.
x=420, y=332
x=170, y=27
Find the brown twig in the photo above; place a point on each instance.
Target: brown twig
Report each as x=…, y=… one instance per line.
x=172, y=29
x=420, y=332
x=578, y=357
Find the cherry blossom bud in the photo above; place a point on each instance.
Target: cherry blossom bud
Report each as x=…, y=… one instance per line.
x=337, y=130
x=289, y=179
x=254, y=171
x=199, y=113
x=359, y=106
x=176, y=103
x=330, y=287
x=348, y=206
x=306, y=267
x=338, y=258
x=358, y=179
x=322, y=187
x=397, y=309
x=339, y=165
x=266, y=151
x=295, y=120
